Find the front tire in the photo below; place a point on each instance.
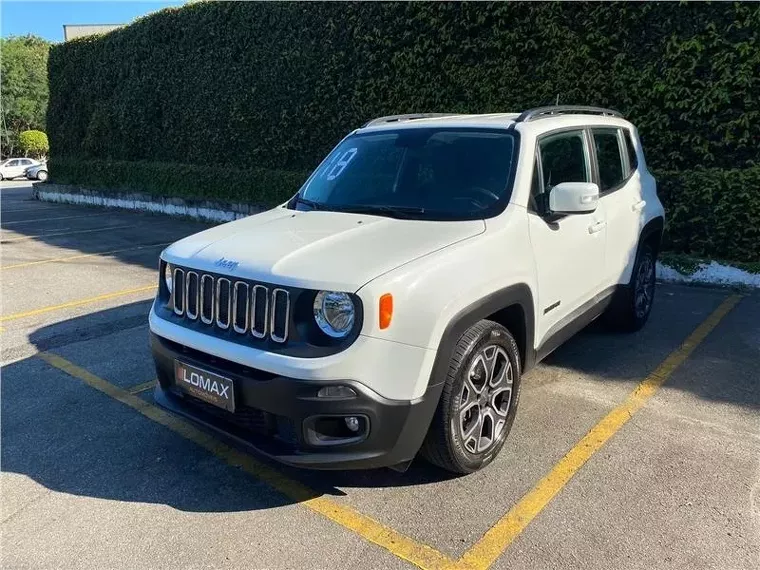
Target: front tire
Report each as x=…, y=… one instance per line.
x=479, y=400
x=42, y=175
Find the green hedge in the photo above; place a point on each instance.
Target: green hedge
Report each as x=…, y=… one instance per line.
x=713, y=212
x=276, y=84
x=273, y=86
x=223, y=184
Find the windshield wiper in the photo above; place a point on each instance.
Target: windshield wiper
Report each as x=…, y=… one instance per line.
x=403, y=212
x=311, y=203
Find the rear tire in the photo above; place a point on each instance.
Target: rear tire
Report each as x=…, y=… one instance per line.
x=632, y=303
x=479, y=400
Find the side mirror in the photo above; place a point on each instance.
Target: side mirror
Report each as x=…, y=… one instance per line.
x=573, y=198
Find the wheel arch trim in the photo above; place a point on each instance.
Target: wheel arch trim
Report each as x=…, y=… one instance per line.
x=654, y=226
x=519, y=294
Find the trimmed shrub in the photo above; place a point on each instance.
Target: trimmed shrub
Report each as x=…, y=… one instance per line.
x=162, y=179
x=33, y=143
x=712, y=212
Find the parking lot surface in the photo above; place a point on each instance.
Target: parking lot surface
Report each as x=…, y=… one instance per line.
x=628, y=451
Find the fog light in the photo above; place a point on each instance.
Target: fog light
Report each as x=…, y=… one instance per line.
x=352, y=423
x=336, y=392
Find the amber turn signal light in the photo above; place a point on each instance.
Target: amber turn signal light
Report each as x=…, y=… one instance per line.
x=386, y=310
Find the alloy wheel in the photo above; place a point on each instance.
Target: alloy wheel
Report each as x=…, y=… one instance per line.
x=485, y=398
x=644, y=287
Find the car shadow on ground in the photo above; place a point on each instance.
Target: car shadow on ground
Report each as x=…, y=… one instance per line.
x=73, y=439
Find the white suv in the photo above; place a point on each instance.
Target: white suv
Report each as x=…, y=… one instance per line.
x=393, y=304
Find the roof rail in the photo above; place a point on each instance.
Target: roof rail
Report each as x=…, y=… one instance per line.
x=408, y=117
x=543, y=112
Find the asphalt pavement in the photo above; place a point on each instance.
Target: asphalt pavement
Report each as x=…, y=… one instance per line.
x=628, y=451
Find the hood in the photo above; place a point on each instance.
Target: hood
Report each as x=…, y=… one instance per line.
x=316, y=249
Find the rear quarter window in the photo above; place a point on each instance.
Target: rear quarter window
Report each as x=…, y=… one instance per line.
x=609, y=158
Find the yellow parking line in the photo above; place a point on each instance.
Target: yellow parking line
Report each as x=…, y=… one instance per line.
x=142, y=387
x=398, y=544
x=78, y=303
x=58, y=234
x=488, y=549
x=81, y=256
x=53, y=219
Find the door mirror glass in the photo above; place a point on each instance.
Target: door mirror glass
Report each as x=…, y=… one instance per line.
x=573, y=198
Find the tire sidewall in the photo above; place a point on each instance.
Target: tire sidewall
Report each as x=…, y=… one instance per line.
x=645, y=251
x=495, y=334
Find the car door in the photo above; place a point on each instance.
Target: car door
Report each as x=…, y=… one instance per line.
x=24, y=163
x=12, y=168
x=620, y=193
x=569, y=250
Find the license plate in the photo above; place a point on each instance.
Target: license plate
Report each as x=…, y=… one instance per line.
x=205, y=385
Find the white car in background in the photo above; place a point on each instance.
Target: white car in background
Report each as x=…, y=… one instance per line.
x=14, y=167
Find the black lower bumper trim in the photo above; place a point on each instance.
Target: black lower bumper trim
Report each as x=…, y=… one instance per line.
x=271, y=411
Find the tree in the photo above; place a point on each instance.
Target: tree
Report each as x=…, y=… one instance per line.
x=24, y=86
x=33, y=143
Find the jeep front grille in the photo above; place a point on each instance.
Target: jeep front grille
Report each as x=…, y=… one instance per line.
x=226, y=304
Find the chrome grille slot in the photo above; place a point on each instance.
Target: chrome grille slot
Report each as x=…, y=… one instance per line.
x=191, y=295
x=280, y=312
x=231, y=306
x=178, y=291
x=222, y=305
x=207, y=299
x=259, y=311
x=240, y=307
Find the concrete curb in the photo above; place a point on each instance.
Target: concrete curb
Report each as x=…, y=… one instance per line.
x=204, y=210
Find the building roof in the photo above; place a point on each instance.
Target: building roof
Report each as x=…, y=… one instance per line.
x=71, y=31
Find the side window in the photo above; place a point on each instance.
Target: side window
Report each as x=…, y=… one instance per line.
x=563, y=159
x=13, y=163
x=609, y=158
x=633, y=161
x=26, y=162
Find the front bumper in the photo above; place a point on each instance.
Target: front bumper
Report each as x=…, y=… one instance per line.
x=273, y=413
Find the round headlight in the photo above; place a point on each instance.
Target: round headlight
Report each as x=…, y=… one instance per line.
x=334, y=313
x=168, y=276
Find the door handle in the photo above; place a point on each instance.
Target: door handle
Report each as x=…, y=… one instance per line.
x=597, y=227
x=638, y=206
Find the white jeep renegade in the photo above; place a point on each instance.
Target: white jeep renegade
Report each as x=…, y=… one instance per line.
x=392, y=305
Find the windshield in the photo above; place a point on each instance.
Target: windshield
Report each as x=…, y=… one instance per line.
x=419, y=173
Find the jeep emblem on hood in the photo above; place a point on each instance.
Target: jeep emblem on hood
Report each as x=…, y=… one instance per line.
x=226, y=263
